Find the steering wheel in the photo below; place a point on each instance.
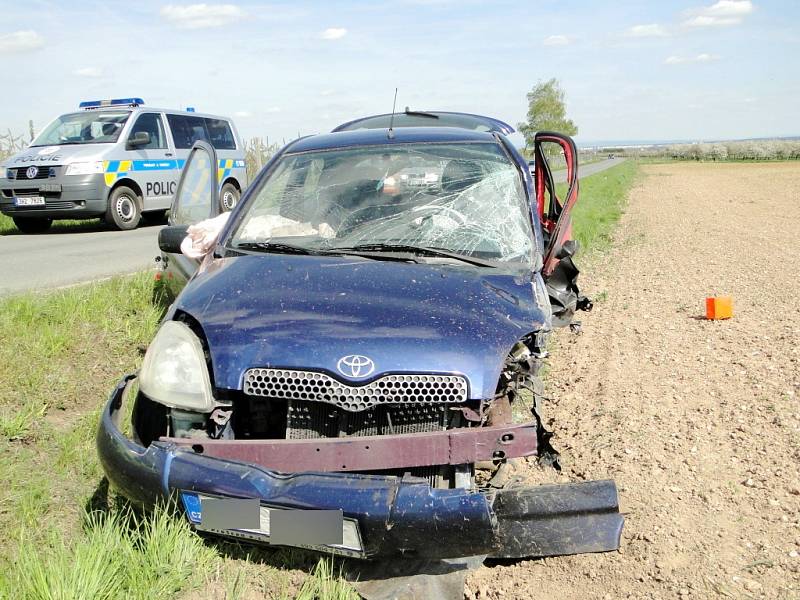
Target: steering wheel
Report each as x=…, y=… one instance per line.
x=455, y=214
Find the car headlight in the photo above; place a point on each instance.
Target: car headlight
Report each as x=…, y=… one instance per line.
x=174, y=371
x=85, y=168
x=6, y=172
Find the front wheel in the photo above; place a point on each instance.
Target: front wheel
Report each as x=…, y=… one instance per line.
x=124, y=210
x=228, y=197
x=32, y=224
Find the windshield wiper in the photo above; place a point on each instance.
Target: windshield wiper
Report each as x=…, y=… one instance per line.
x=275, y=248
x=416, y=250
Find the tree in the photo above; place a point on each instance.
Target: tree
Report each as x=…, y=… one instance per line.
x=546, y=112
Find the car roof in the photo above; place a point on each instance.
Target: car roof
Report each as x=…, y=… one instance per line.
x=147, y=108
x=380, y=137
x=409, y=118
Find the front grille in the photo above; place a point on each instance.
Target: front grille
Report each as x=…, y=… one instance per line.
x=305, y=420
x=312, y=420
x=21, y=173
x=389, y=389
x=59, y=204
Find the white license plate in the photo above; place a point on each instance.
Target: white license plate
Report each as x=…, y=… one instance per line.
x=350, y=544
x=28, y=200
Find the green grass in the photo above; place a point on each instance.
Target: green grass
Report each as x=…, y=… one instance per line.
x=116, y=555
x=65, y=534
x=601, y=202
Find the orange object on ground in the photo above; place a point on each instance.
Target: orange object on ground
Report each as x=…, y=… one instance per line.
x=719, y=308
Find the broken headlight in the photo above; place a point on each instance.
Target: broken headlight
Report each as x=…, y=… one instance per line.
x=174, y=371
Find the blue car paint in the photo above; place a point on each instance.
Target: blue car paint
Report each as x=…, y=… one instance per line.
x=302, y=312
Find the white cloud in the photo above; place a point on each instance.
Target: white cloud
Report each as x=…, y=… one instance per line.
x=333, y=33
x=327, y=92
x=91, y=72
x=556, y=40
x=201, y=16
x=20, y=41
x=720, y=14
x=242, y=114
x=649, y=30
x=705, y=58
x=700, y=58
x=272, y=109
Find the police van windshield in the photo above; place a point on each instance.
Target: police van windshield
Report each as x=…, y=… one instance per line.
x=90, y=127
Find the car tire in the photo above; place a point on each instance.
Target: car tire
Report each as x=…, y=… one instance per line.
x=228, y=197
x=32, y=224
x=124, y=209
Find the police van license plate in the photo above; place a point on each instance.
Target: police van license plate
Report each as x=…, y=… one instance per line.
x=28, y=200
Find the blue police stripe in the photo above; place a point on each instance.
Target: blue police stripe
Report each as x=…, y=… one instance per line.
x=153, y=165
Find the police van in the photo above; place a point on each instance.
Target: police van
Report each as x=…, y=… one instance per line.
x=116, y=159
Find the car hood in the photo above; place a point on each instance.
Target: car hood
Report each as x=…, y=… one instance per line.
x=58, y=155
x=307, y=312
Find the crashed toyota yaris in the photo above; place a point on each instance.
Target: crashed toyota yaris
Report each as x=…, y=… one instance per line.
x=355, y=361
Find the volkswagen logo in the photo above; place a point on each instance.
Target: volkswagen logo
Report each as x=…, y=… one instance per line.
x=31, y=172
x=355, y=365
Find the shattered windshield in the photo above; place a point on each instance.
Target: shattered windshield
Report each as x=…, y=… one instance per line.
x=465, y=199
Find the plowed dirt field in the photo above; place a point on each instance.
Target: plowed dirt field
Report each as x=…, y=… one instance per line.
x=697, y=421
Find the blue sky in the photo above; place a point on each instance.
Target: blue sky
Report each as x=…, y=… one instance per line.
x=631, y=69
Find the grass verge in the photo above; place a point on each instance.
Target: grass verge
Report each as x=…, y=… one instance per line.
x=600, y=205
x=66, y=535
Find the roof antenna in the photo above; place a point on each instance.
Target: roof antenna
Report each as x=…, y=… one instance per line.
x=390, y=134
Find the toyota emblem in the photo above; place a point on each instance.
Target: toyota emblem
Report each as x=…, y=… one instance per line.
x=355, y=365
x=31, y=172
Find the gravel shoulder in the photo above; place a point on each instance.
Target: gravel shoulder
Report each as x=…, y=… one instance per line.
x=697, y=421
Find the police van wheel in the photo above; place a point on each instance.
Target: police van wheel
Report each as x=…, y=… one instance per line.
x=32, y=224
x=228, y=197
x=124, y=211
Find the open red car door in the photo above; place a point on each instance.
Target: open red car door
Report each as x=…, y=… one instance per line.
x=559, y=271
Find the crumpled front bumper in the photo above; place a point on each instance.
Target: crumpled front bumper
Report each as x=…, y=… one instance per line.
x=394, y=515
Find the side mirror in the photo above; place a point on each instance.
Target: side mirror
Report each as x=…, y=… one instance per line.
x=140, y=138
x=568, y=248
x=170, y=238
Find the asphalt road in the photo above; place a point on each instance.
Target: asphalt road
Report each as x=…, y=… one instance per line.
x=590, y=169
x=61, y=258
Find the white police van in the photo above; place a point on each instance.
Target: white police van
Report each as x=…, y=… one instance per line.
x=116, y=159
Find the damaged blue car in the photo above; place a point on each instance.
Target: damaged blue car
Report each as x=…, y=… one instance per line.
x=355, y=364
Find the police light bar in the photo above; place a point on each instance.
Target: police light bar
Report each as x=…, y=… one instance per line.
x=115, y=102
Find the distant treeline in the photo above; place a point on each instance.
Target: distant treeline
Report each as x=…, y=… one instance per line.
x=744, y=150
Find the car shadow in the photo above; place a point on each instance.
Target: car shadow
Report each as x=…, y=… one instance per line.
x=88, y=226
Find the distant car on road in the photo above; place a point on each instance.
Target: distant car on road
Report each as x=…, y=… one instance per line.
x=115, y=159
